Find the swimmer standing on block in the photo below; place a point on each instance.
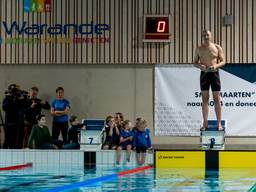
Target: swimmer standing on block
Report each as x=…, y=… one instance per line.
x=209, y=57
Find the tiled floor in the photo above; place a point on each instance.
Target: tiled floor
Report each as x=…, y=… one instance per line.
x=12, y=157
x=62, y=157
x=108, y=157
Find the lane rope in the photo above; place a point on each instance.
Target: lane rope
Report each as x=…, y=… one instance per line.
x=16, y=167
x=99, y=179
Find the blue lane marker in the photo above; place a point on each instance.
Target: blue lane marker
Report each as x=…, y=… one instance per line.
x=84, y=183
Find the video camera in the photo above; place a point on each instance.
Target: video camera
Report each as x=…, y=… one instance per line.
x=15, y=92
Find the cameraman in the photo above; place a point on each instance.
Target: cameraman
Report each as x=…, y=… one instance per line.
x=14, y=107
x=34, y=107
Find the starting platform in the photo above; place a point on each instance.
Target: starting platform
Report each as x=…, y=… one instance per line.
x=91, y=137
x=212, y=138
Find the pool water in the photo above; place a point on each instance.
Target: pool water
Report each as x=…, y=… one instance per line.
x=205, y=180
x=43, y=178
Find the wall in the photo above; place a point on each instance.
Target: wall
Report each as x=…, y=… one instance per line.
x=131, y=87
x=94, y=91
x=188, y=19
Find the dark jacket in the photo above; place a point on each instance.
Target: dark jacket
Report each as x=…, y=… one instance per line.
x=32, y=113
x=73, y=132
x=14, y=110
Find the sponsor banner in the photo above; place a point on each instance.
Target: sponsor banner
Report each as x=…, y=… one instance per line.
x=205, y=159
x=178, y=100
x=237, y=159
x=16, y=32
x=179, y=159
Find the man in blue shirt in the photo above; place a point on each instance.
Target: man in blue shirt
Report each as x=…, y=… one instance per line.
x=59, y=110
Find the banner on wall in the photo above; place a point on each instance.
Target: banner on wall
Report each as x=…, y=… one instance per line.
x=16, y=32
x=178, y=109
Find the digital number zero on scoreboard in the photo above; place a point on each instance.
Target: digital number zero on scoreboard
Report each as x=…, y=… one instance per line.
x=156, y=28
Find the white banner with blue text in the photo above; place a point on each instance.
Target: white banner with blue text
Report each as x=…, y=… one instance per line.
x=178, y=100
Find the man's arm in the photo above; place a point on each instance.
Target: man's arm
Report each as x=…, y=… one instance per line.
x=59, y=113
x=221, y=57
x=197, y=63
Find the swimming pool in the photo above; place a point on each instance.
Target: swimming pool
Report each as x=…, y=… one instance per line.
x=43, y=178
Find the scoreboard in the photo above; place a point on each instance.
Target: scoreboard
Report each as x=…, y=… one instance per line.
x=156, y=28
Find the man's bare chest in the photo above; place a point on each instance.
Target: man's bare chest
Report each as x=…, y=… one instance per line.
x=208, y=53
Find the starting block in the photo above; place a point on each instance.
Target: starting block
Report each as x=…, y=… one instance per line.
x=91, y=137
x=212, y=138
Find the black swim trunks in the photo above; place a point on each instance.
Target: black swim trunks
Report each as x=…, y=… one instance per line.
x=208, y=79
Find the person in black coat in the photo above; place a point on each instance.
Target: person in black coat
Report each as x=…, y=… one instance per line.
x=14, y=105
x=33, y=109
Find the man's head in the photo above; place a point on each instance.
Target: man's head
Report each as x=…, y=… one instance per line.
x=207, y=36
x=60, y=93
x=33, y=92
